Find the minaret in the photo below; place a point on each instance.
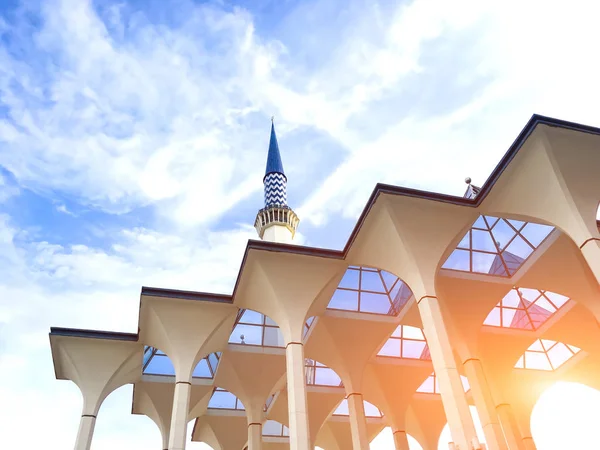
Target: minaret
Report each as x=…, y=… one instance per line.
x=276, y=222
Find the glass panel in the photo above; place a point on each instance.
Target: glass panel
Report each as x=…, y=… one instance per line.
x=412, y=349
x=269, y=321
x=535, y=233
x=543, y=303
x=536, y=346
x=342, y=409
x=465, y=242
x=427, y=386
x=482, y=262
x=511, y=299
x=160, y=365
x=213, y=360
x=272, y=428
x=539, y=361
x=547, y=343
x=480, y=223
x=350, y=279
x=409, y=332
x=518, y=224
x=273, y=337
x=559, y=354
x=347, y=300
x=493, y=318
x=202, y=370
x=389, y=279
x=252, y=335
x=458, y=260
x=374, y=303
x=397, y=332
x=502, y=233
x=491, y=220
x=507, y=316
x=390, y=348
x=520, y=248
x=465, y=382
x=482, y=240
x=557, y=299
x=371, y=410
x=250, y=316
x=222, y=400
x=530, y=294
x=520, y=364
x=325, y=376
x=371, y=281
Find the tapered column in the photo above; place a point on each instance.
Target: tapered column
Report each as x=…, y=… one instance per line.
x=358, y=421
x=509, y=427
x=254, y=436
x=181, y=404
x=591, y=252
x=451, y=388
x=528, y=443
x=85, y=433
x=297, y=406
x=484, y=403
x=400, y=440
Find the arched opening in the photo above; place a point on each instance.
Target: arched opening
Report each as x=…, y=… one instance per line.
x=116, y=427
x=497, y=246
x=369, y=290
x=385, y=440
x=567, y=415
x=157, y=363
x=526, y=309
x=370, y=409
x=545, y=354
x=254, y=328
x=430, y=385
x=446, y=437
x=274, y=429
x=318, y=374
x=223, y=399
x=406, y=342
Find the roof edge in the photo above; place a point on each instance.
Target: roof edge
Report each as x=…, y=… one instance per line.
x=93, y=334
x=186, y=295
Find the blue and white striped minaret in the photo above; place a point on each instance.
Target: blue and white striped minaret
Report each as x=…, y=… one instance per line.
x=276, y=221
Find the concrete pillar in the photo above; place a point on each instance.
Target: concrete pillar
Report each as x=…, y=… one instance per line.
x=181, y=405
x=358, y=421
x=455, y=403
x=85, y=432
x=400, y=440
x=297, y=405
x=255, y=436
x=510, y=427
x=591, y=252
x=485, y=405
x=528, y=443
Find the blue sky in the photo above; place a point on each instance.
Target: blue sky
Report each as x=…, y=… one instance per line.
x=133, y=138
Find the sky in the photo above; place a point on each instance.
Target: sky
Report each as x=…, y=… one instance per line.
x=133, y=138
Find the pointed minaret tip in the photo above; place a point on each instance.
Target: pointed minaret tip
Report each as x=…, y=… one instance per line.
x=276, y=221
x=274, y=164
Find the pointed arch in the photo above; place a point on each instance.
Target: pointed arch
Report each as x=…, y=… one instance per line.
x=547, y=355
x=254, y=328
x=369, y=290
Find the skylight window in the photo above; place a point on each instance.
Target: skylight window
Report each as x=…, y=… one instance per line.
x=369, y=290
x=430, y=385
x=497, y=246
x=222, y=399
x=318, y=374
x=156, y=362
x=275, y=429
x=545, y=354
x=370, y=409
x=406, y=342
x=525, y=309
x=254, y=328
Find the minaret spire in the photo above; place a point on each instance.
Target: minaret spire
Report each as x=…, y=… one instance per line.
x=276, y=221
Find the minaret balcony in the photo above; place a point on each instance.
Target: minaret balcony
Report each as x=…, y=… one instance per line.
x=280, y=215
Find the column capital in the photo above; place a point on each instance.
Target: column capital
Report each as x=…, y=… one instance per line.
x=426, y=296
x=294, y=343
x=251, y=424
x=353, y=393
x=587, y=241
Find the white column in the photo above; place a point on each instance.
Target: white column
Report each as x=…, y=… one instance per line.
x=510, y=427
x=181, y=405
x=400, y=440
x=358, y=421
x=85, y=432
x=450, y=385
x=254, y=436
x=485, y=405
x=297, y=405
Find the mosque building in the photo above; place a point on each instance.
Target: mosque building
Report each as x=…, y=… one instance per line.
x=436, y=303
